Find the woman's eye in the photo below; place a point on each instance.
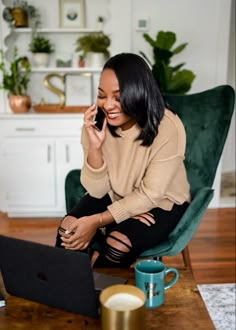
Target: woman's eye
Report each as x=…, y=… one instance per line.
x=117, y=99
x=101, y=97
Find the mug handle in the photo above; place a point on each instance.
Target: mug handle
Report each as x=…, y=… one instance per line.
x=174, y=280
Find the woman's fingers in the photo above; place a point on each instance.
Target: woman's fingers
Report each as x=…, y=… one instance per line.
x=74, y=245
x=146, y=218
x=89, y=116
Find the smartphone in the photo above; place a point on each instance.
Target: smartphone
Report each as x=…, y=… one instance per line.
x=99, y=118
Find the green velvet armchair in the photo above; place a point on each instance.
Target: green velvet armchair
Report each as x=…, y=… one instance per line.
x=206, y=117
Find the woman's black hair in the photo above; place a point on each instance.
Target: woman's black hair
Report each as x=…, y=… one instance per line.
x=140, y=96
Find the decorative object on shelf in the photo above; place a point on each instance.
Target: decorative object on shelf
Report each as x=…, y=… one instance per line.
x=40, y=47
x=20, y=14
x=69, y=107
x=78, y=89
x=72, y=13
x=94, y=47
x=15, y=81
x=55, y=108
x=20, y=103
x=54, y=89
x=81, y=62
x=172, y=79
x=64, y=60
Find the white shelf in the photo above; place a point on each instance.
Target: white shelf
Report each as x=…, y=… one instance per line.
x=56, y=30
x=67, y=70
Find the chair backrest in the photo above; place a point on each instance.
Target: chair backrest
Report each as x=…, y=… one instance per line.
x=206, y=117
x=74, y=190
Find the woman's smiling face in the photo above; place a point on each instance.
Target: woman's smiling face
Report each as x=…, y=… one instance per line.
x=108, y=99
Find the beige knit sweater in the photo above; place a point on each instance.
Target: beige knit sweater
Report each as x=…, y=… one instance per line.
x=139, y=178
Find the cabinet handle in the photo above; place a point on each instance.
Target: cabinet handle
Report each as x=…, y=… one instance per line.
x=67, y=154
x=25, y=129
x=49, y=153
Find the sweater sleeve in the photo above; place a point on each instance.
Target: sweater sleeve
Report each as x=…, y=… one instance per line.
x=154, y=188
x=95, y=181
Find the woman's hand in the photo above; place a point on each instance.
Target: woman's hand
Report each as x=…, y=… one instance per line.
x=96, y=137
x=146, y=218
x=78, y=233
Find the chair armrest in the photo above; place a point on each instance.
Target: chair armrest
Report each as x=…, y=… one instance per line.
x=190, y=221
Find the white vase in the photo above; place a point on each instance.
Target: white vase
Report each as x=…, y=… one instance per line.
x=95, y=60
x=40, y=60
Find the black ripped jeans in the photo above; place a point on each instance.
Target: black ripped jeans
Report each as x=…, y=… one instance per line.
x=141, y=236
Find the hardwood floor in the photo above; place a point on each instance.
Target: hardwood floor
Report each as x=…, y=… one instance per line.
x=212, y=249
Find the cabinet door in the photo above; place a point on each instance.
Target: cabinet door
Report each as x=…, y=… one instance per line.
x=69, y=157
x=27, y=175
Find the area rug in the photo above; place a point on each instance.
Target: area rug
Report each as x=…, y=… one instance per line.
x=220, y=302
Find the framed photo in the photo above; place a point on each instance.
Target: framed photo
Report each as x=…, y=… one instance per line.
x=72, y=13
x=142, y=23
x=78, y=89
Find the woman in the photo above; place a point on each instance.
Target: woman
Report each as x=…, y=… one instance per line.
x=133, y=168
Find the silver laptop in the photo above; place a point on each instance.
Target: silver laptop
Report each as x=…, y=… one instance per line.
x=52, y=276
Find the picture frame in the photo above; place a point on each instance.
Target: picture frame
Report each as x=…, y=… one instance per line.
x=142, y=23
x=78, y=89
x=72, y=13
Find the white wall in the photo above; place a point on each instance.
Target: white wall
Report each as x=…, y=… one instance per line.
x=228, y=159
x=204, y=24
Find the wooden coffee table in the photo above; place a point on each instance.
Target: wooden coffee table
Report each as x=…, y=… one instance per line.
x=183, y=309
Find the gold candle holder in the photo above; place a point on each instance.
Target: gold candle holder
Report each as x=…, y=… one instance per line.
x=122, y=308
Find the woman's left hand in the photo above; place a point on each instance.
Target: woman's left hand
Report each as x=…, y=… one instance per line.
x=80, y=232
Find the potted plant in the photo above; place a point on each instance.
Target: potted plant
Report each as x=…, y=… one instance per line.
x=20, y=14
x=17, y=15
x=15, y=80
x=40, y=47
x=94, y=47
x=171, y=79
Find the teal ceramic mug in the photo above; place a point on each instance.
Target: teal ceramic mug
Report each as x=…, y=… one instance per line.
x=150, y=278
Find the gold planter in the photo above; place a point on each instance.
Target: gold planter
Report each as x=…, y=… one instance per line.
x=19, y=103
x=20, y=17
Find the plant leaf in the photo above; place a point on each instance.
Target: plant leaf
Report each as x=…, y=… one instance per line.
x=179, y=49
x=180, y=82
x=149, y=40
x=165, y=40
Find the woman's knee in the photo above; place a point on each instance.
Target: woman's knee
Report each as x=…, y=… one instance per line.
x=118, y=249
x=119, y=241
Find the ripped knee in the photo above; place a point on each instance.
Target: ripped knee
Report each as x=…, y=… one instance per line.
x=118, y=248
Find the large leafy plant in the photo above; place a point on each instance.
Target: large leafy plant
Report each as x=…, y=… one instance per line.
x=171, y=79
x=15, y=75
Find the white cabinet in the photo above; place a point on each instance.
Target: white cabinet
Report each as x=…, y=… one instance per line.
x=27, y=167
x=36, y=153
x=69, y=156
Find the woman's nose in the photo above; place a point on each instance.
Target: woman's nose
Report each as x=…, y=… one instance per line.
x=108, y=105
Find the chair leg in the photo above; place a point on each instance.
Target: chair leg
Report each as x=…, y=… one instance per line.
x=186, y=258
x=157, y=258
